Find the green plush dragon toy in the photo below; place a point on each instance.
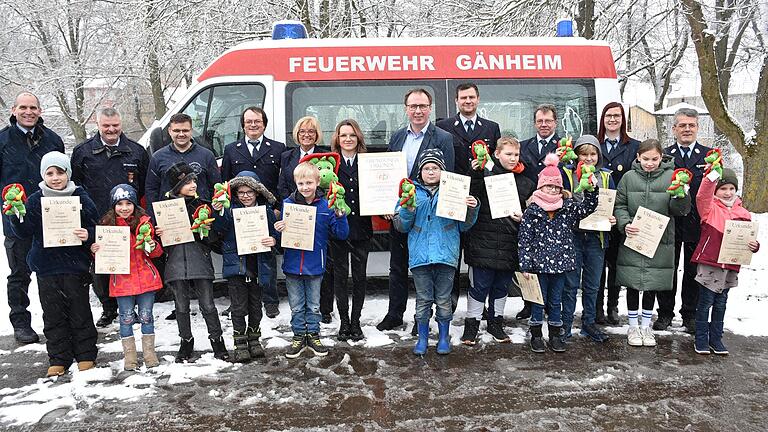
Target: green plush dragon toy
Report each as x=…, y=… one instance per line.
x=480, y=153
x=585, y=174
x=144, y=234
x=565, y=150
x=328, y=164
x=14, y=198
x=407, y=193
x=222, y=194
x=680, y=179
x=203, y=220
x=714, y=160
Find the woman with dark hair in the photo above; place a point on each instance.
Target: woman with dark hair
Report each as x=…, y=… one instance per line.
x=618, y=151
x=348, y=142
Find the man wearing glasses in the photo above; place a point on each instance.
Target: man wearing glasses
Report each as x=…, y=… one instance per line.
x=261, y=155
x=533, y=150
x=413, y=140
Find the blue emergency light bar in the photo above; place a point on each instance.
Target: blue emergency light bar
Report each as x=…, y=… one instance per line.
x=565, y=28
x=288, y=29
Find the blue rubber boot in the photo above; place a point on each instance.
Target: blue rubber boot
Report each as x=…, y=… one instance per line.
x=444, y=337
x=423, y=341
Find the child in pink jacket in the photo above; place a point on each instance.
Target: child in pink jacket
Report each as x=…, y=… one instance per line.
x=717, y=202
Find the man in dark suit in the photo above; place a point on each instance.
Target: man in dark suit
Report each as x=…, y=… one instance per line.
x=618, y=151
x=419, y=135
x=259, y=154
x=532, y=153
x=467, y=127
x=688, y=154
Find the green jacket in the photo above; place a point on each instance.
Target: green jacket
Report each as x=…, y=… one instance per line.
x=639, y=188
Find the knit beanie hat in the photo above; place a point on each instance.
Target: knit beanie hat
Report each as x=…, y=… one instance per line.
x=550, y=175
x=729, y=177
x=57, y=159
x=123, y=192
x=178, y=175
x=591, y=140
x=434, y=156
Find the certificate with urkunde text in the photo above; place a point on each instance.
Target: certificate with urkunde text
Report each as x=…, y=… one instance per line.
x=114, y=255
x=299, y=232
x=733, y=249
x=530, y=288
x=599, y=220
x=61, y=217
x=452, y=198
x=173, y=218
x=652, y=226
x=251, y=227
x=502, y=195
x=379, y=177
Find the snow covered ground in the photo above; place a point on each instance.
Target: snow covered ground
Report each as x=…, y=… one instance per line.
x=32, y=403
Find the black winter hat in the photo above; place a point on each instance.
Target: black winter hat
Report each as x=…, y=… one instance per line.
x=729, y=177
x=178, y=175
x=123, y=192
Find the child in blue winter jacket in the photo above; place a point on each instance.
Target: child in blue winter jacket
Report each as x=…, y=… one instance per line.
x=433, y=250
x=304, y=269
x=546, y=247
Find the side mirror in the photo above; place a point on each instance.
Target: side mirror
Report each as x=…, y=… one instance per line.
x=158, y=138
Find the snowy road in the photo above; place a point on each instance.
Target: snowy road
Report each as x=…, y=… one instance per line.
x=492, y=387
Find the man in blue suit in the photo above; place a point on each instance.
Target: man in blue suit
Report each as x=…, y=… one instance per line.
x=688, y=153
x=419, y=135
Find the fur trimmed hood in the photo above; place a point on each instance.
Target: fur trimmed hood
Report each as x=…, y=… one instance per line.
x=249, y=179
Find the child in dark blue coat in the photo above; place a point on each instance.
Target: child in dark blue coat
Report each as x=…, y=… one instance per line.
x=546, y=247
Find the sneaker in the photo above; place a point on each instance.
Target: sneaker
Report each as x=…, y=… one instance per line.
x=496, y=329
x=690, y=325
x=662, y=323
x=106, y=318
x=389, y=323
x=634, y=336
x=648, y=337
x=469, y=337
x=271, y=310
x=298, y=344
x=593, y=332
x=25, y=335
x=317, y=347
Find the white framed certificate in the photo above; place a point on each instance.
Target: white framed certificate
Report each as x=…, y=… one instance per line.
x=599, y=220
x=379, y=176
x=61, y=217
x=652, y=226
x=503, y=199
x=299, y=230
x=452, y=198
x=173, y=218
x=251, y=227
x=530, y=288
x=733, y=248
x=114, y=255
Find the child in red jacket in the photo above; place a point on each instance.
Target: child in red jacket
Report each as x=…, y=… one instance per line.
x=717, y=203
x=138, y=287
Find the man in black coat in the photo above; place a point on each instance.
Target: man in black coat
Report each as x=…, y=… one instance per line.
x=100, y=163
x=261, y=155
x=419, y=135
x=618, y=151
x=533, y=150
x=467, y=127
x=532, y=153
x=22, y=145
x=688, y=153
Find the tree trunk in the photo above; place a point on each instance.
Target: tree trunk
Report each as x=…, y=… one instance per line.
x=755, y=189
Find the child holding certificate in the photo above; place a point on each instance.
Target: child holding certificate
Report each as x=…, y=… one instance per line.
x=138, y=287
x=717, y=203
x=241, y=271
x=189, y=267
x=589, y=245
x=304, y=268
x=63, y=276
x=547, y=250
x=491, y=244
x=433, y=250
x=646, y=186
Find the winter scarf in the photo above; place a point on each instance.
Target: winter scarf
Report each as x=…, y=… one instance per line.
x=546, y=201
x=48, y=192
x=728, y=203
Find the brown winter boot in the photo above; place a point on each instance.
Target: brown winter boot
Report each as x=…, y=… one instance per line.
x=55, y=371
x=130, y=362
x=148, y=348
x=85, y=365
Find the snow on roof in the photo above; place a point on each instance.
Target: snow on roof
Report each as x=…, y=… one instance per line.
x=671, y=110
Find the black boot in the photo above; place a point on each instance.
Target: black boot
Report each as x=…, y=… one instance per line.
x=186, y=348
x=241, y=355
x=496, y=329
x=344, y=329
x=613, y=316
x=537, y=342
x=219, y=350
x=600, y=316
x=525, y=313
x=254, y=346
x=106, y=318
x=355, y=332
x=471, y=326
x=555, y=341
